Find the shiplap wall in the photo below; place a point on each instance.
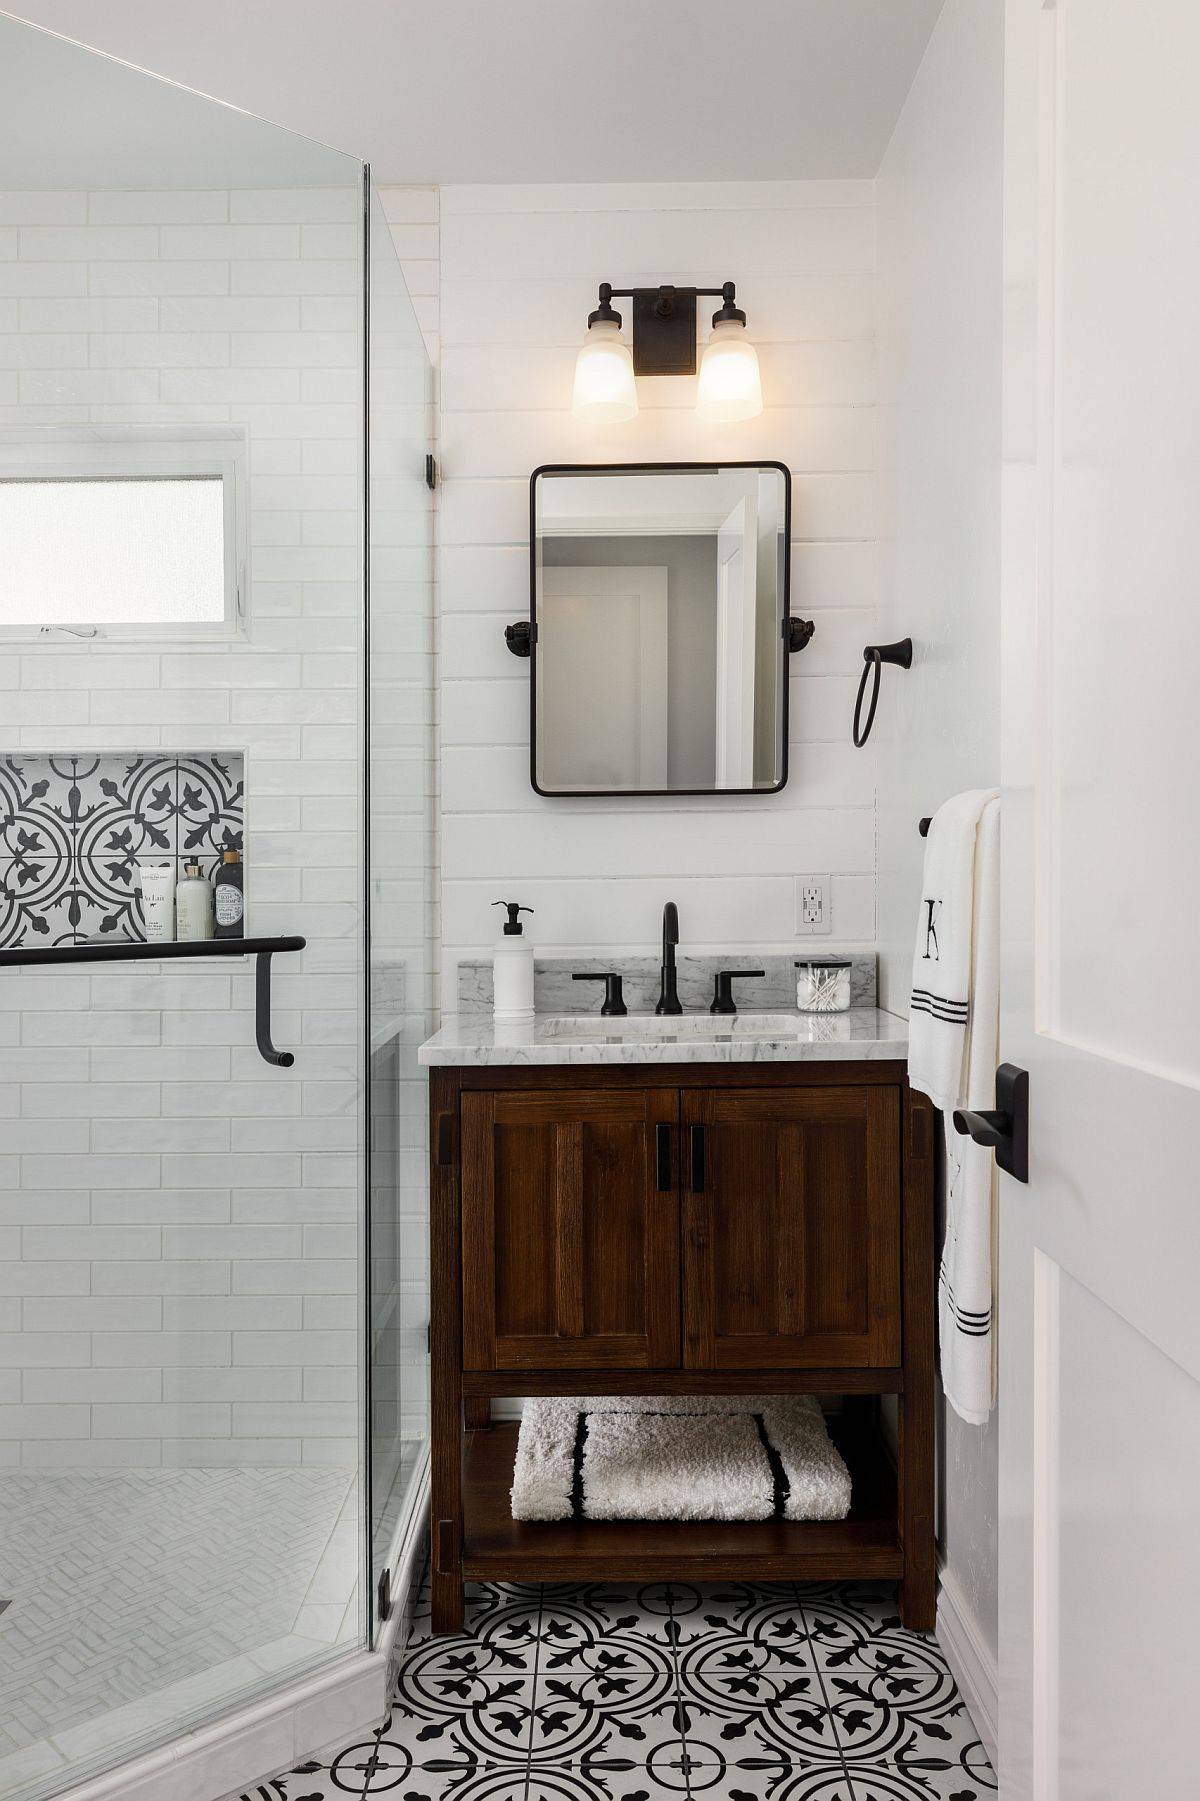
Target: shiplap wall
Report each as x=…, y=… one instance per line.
x=941, y=293
x=519, y=268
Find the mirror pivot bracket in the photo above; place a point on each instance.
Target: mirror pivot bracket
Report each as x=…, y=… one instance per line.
x=797, y=632
x=520, y=637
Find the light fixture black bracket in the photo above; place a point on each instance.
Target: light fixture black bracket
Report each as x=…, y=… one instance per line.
x=664, y=323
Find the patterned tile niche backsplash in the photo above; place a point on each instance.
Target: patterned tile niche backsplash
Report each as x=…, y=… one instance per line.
x=73, y=830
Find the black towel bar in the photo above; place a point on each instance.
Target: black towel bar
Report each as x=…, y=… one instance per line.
x=874, y=657
x=129, y=951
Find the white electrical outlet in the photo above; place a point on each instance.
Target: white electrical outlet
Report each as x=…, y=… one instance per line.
x=812, y=905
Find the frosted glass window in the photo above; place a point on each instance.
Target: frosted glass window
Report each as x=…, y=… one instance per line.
x=93, y=551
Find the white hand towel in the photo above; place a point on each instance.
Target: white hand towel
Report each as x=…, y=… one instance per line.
x=952, y=1057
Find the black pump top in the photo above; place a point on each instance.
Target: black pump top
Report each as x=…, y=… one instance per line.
x=512, y=926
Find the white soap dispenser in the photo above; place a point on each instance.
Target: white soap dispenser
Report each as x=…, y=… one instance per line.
x=512, y=991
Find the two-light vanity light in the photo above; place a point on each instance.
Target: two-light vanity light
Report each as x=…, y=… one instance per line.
x=664, y=343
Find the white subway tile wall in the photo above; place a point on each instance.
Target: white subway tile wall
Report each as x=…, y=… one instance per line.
x=179, y=1222
x=519, y=267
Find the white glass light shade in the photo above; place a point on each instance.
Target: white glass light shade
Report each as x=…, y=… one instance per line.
x=605, y=389
x=729, y=386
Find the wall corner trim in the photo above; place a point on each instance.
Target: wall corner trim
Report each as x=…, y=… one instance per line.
x=972, y=1664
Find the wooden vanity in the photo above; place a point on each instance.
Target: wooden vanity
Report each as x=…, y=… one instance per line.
x=726, y=1223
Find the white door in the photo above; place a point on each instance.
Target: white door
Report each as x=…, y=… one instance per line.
x=737, y=619
x=602, y=678
x=1099, y=1322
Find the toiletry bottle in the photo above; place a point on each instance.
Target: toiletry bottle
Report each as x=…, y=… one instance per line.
x=158, y=901
x=228, y=900
x=193, y=905
x=513, y=968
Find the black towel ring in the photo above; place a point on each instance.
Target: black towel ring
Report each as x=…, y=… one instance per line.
x=874, y=657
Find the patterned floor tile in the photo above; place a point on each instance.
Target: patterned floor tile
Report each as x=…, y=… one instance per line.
x=602, y=1781
x=799, y=1728
x=573, y=1620
x=719, y=1731
x=362, y=1776
x=890, y=1718
x=465, y=1718
x=574, y=1718
x=766, y=1780
x=967, y=1778
x=729, y=1692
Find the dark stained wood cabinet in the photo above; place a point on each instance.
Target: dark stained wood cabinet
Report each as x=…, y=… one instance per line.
x=696, y=1228
x=570, y=1241
x=791, y=1228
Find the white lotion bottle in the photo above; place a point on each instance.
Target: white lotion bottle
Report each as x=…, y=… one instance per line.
x=512, y=965
x=158, y=901
x=194, y=906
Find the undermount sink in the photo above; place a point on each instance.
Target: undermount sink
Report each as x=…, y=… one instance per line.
x=689, y=1025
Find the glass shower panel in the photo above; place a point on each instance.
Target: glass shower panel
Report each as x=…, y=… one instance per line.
x=182, y=1224
x=400, y=820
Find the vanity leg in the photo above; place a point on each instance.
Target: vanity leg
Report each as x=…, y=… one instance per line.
x=477, y=1410
x=918, y=1586
x=445, y=1512
x=445, y=1343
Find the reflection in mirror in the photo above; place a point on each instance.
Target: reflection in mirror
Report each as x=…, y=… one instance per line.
x=659, y=600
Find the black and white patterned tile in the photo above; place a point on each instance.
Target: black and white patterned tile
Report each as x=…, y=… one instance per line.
x=73, y=829
x=725, y=1692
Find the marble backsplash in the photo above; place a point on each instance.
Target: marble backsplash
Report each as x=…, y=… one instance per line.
x=555, y=992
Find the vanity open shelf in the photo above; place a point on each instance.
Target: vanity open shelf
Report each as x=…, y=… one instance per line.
x=727, y=1227
x=498, y=1548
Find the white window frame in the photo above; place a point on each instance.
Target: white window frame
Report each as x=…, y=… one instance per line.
x=114, y=454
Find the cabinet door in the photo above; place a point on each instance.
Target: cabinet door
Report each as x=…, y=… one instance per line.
x=570, y=1219
x=791, y=1227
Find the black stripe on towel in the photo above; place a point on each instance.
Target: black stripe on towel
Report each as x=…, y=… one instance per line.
x=970, y=1324
x=779, y=1480
x=581, y=1429
x=954, y=1012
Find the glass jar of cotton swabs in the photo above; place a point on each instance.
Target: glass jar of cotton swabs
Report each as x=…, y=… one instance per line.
x=823, y=984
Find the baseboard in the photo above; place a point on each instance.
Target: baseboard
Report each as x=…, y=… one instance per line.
x=971, y=1663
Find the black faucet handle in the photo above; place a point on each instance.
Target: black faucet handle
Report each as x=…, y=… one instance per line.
x=722, y=1001
x=614, y=1000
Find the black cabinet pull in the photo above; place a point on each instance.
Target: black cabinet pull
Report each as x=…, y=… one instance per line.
x=1004, y=1129
x=662, y=1153
x=697, y=1159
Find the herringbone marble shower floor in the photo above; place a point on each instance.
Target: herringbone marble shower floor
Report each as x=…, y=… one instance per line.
x=137, y=1595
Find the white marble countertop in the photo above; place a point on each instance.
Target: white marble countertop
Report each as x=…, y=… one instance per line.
x=862, y=1034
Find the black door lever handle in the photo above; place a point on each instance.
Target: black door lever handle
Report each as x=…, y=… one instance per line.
x=1004, y=1129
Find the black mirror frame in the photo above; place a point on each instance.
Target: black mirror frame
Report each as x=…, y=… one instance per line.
x=522, y=636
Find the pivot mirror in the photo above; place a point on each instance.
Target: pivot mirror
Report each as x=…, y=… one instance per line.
x=659, y=631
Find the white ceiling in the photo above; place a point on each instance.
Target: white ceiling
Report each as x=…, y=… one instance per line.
x=540, y=90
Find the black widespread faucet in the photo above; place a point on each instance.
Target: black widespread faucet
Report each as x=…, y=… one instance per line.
x=668, y=995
